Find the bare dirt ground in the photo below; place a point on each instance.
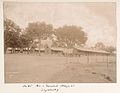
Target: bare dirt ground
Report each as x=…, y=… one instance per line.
x=22, y=68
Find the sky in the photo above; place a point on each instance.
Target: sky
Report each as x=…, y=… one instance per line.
x=98, y=20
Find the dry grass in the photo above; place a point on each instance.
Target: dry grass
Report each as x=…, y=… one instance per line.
x=21, y=68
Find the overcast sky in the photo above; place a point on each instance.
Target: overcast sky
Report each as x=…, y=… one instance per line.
x=98, y=20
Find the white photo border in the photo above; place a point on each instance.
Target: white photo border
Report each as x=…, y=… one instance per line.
x=79, y=87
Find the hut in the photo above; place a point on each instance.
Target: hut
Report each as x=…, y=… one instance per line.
x=68, y=52
x=9, y=50
x=58, y=51
x=42, y=50
x=91, y=53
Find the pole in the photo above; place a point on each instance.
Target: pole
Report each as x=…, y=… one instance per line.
x=88, y=57
x=107, y=62
x=96, y=57
x=39, y=47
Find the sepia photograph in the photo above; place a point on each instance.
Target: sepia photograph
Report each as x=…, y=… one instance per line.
x=60, y=42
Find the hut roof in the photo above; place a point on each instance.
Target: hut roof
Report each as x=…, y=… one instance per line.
x=40, y=48
x=57, y=49
x=91, y=50
x=64, y=50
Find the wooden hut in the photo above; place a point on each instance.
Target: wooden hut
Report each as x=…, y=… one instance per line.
x=91, y=53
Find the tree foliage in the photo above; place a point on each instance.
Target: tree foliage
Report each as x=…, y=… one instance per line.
x=66, y=36
x=100, y=46
x=110, y=49
x=38, y=30
x=11, y=34
x=25, y=40
x=71, y=35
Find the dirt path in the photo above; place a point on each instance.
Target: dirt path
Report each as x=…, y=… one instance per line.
x=80, y=73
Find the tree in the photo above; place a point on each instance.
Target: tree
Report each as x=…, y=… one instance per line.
x=11, y=34
x=38, y=30
x=110, y=49
x=25, y=40
x=100, y=46
x=71, y=35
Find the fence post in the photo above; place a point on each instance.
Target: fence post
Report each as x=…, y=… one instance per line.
x=88, y=57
